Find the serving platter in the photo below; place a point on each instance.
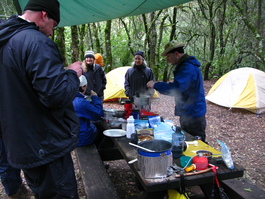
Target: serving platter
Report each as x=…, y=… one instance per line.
x=114, y=133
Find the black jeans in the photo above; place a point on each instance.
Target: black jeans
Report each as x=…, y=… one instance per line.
x=55, y=180
x=194, y=126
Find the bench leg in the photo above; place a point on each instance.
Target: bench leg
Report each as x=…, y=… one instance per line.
x=154, y=195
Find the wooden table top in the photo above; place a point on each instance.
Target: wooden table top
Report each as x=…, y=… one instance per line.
x=152, y=185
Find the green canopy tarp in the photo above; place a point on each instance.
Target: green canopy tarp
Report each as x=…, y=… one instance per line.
x=76, y=12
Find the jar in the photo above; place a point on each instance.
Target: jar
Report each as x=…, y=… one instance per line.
x=190, y=168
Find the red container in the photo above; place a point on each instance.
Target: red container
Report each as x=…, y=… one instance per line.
x=201, y=162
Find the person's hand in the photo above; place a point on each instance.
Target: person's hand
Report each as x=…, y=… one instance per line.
x=77, y=67
x=93, y=93
x=150, y=84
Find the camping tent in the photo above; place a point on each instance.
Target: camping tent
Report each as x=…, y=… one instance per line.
x=87, y=11
x=115, y=84
x=240, y=88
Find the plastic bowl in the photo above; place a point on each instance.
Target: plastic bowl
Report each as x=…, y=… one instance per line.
x=205, y=153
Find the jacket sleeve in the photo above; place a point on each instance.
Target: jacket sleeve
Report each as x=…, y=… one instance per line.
x=92, y=110
x=127, y=84
x=181, y=83
x=104, y=80
x=55, y=86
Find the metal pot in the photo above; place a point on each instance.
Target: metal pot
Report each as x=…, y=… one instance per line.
x=143, y=102
x=109, y=113
x=155, y=164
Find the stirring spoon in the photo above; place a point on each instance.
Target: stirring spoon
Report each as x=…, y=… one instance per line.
x=135, y=145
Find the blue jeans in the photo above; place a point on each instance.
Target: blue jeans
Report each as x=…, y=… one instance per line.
x=10, y=177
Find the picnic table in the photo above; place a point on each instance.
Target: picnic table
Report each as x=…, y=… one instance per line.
x=154, y=188
x=115, y=148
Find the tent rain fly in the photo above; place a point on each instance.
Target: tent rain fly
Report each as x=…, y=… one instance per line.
x=86, y=11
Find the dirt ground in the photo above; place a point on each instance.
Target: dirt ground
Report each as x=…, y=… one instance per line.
x=242, y=131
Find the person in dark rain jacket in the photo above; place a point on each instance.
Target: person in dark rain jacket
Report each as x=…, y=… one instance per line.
x=137, y=76
x=187, y=88
x=10, y=177
x=94, y=74
x=38, y=123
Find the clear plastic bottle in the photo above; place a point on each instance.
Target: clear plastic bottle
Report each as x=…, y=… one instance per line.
x=130, y=128
x=177, y=143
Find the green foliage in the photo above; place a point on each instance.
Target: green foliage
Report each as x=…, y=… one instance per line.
x=235, y=28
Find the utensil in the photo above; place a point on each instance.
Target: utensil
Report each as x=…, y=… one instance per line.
x=195, y=142
x=140, y=147
x=133, y=161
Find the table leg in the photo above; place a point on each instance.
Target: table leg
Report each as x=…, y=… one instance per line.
x=207, y=190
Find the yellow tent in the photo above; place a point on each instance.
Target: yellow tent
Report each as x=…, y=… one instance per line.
x=240, y=88
x=115, y=84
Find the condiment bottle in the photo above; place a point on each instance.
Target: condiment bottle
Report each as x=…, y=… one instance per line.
x=177, y=143
x=190, y=168
x=130, y=128
x=200, y=161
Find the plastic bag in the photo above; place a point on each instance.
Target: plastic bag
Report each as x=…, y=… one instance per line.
x=226, y=155
x=174, y=194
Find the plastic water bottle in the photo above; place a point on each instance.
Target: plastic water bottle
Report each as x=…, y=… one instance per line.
x=177, y=143
x=130, y=128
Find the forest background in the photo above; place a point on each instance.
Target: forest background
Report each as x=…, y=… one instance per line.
x=222, y=34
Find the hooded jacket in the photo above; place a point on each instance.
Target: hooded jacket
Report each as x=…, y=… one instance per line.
x=37, y=118
x=187, y=88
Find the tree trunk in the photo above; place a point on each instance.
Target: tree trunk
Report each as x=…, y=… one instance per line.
x=108, y=59
x=74, y=44
x=60, y=42
x=82, y=32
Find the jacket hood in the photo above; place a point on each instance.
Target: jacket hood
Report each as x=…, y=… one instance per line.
x=190, y=59
x=12, y=26
x=194, y=61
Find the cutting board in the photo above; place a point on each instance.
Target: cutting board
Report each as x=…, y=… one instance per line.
x=191, y=149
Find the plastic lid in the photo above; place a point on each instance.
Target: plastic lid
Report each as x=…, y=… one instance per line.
x=130, y=119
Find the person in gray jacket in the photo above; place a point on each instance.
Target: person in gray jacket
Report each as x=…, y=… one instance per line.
x=137, y=77
x=38, y=123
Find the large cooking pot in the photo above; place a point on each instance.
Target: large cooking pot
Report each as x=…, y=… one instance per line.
x=142, y=102
x=155, y=164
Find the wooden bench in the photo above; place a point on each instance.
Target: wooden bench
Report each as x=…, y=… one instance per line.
x=97, y=183
x=241, y=188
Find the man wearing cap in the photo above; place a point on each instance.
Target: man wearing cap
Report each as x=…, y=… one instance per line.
x=187, y=88
x=95, y=75
x=38, y=123
x=137, y=76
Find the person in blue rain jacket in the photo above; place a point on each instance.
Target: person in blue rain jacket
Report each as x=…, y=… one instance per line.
x=87, y=111
x=187, y=88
